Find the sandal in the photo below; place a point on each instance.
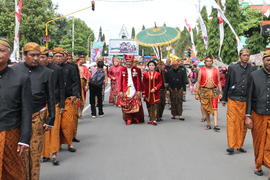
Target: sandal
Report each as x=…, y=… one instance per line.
x=208, y=127
x=203, y=119
x=216, y=128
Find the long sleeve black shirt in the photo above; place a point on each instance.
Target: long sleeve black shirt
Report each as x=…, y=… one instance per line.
x=70, y=81
x=42, y=86
x=258, y=98
x=59, y=85
x=16, y=103
x=176, y=79
x=78, y=77
x=237, y=82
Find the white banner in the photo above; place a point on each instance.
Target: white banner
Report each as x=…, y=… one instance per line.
x=221, y=13
x=204, y=31
x=192, y=38
x=221, y=33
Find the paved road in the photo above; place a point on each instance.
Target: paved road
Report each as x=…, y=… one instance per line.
x=173, y=150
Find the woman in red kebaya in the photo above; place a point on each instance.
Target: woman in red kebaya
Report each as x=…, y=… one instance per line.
x=152, y=82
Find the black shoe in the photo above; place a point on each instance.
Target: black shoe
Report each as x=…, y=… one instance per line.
x=55, y=162
x=258, y=172
x=230, y=151
x=173, y=117
x=45, y=159
x=216, y=128
x=159, y=120
x=71, y=149
x=242, y=150
x=76, y=140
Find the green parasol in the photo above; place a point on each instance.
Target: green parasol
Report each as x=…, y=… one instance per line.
x=157, y=36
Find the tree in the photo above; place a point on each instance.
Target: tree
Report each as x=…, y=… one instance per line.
x=100, y=33
x=229, y=52
x=183, y=43
x=133, y=34
x=81, y=34
x=213, y=34
x=250, y=28
x=34, y=16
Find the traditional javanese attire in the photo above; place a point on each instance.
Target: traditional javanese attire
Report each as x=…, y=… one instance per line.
x=42, y=86
x=78, y=95
x=162, y=103
x=176, y=79
x=130, y=83
x=15, y=123
x=152, y=80
x=209, y=96
x=52, y=138
x=258, y=106
x=70, y=115
x=84, y=76
x=114, y=72
x=235, y=93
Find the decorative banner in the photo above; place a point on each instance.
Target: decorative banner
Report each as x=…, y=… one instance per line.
x=96, y=50
x=204, y=31
x=16, y=47
x=191, y=35
x=221, y=33
x=123, y=46
x=221, y=13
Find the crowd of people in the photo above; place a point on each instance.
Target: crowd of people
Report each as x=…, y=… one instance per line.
x=43, y=97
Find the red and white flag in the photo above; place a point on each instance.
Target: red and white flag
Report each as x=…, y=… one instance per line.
x=221, y=33
x=222, y=15
x=16, y=49
x=189, y=28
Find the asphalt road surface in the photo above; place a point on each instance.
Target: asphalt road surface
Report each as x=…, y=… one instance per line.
x=173, y=150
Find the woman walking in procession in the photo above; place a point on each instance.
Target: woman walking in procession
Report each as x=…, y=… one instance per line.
x=152, y=82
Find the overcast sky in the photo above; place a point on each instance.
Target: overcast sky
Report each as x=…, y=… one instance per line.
x=112, y=15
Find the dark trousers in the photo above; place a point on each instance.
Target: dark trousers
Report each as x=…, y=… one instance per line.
x=96, y=92
x=162, y=103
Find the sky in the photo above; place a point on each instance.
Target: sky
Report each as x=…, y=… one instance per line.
x=111, y=15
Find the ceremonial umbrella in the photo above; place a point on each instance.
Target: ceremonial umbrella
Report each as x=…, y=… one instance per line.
x=157, y=37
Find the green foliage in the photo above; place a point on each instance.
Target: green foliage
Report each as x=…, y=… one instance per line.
x=229, y=52
x=183, y=43
x=32, y=29
x=133, y=34
x=213, y=34
x=81, y=34
x=250, y=28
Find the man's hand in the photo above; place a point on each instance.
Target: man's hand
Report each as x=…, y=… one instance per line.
x=46, y=127
x=121, y=94
x=153, y=91
x=224, y=103
x=113, y=78
x=197, y=97
x=21, y=149
x=220, y=96
x=138, y=93
x=248, y=122
x=184, y=93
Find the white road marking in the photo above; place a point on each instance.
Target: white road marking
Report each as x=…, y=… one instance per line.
x=88, y=106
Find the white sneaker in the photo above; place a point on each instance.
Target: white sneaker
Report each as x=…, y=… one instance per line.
x=94, y=117
x=101, y=116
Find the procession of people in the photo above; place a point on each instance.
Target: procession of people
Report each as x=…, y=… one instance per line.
x=43, y=97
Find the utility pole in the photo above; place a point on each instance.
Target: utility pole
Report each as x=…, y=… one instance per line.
x=73, y=27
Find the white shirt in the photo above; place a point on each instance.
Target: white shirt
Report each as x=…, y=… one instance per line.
x=131, y=89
